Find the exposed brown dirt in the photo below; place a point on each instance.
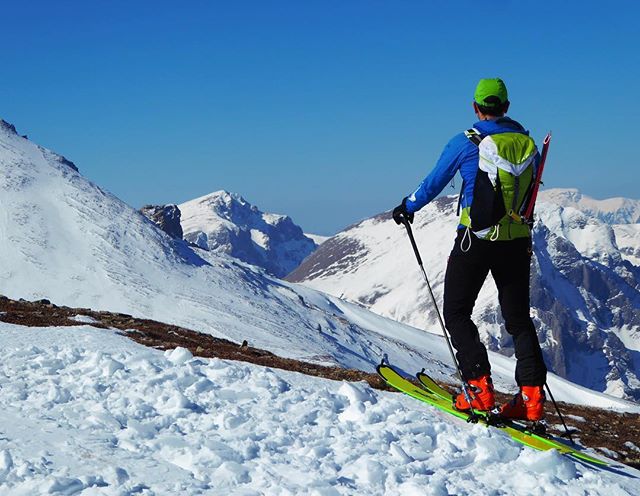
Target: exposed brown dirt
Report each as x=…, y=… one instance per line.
x=600, y=428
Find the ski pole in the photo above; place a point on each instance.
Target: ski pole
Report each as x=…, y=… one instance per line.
x=465, y=387
x=559, y=414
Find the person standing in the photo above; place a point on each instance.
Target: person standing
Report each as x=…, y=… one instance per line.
x=497, y=161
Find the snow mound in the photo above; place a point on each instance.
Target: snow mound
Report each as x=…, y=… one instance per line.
x=164, y=423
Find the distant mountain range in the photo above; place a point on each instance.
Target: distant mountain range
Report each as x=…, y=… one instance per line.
x=611, y=211
x=585, y=285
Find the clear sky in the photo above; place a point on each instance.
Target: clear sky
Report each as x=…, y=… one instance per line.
x=329, y=111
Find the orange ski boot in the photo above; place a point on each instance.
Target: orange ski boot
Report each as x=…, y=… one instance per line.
x=481, y=392
x=528, y=404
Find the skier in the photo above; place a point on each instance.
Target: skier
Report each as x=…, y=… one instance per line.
x=497, y=161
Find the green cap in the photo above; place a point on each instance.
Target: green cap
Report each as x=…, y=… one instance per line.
x=491, y=92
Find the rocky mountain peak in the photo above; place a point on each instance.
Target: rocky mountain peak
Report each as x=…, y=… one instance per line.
x=7, y=127
x=226, y=222
x=166, y=217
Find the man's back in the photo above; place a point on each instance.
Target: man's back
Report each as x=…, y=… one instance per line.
x=460, y=154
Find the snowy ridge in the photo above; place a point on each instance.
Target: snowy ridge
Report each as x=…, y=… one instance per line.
x=585, y=292
x=610, y=211
x=90, y=412
x=317, y=238
x=226, y=223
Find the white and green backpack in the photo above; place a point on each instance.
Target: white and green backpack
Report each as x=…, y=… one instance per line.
x=502, y=187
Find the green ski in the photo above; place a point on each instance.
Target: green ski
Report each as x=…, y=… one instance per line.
x=434, y=395
x=428, y=383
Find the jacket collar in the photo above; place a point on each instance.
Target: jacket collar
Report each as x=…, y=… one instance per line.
x=501, y=125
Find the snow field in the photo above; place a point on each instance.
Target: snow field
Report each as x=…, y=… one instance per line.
x=86, y=411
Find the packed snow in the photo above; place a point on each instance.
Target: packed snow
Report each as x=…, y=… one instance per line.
x=87, y=411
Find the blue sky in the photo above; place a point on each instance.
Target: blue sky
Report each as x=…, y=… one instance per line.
x=329, y=111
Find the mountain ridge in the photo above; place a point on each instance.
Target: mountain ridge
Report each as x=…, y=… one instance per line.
x=225, y=222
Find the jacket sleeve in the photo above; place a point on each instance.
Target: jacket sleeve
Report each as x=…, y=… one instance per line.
x=446, y=167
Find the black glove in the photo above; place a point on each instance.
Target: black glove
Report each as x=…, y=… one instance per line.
x=400, y=213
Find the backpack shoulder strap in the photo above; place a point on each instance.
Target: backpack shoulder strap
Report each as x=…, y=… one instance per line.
x=474, y=136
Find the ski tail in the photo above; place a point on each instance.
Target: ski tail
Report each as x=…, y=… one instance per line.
x=431, y=385
x=531, y=202
x=432, y=394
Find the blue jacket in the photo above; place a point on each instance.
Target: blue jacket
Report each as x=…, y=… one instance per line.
x=460, y=154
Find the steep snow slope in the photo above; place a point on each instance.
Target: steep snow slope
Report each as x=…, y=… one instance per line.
x=226, y=223
x=585, y=295
x=86, y=411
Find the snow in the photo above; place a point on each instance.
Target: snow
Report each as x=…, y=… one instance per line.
x=88, y=411
x=85, y=319
x=259, y=238
x=611, y=210
x=318, y=239
x=628, y=240
x=591, y=237
x=632, y=446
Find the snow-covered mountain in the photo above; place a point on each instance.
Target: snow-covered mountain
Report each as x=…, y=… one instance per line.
x=585, y=288
x=86, y=410
x=67, y=240
x=611, y=211
x=628, y=241
x=226, y=223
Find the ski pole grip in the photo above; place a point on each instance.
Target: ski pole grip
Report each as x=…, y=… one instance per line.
x=405, y=221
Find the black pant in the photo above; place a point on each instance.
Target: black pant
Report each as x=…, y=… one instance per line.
x=509, y=263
